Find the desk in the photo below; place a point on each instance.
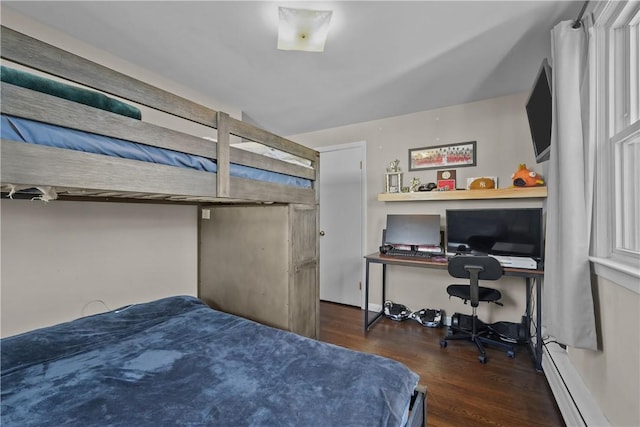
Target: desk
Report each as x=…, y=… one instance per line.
x=530, y=277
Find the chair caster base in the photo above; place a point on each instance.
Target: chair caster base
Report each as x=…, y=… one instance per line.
x=443, y=343
x=482, y=359
x=511, y=354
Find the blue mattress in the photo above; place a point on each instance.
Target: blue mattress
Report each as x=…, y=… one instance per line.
x=175, y=361
x=30, y=131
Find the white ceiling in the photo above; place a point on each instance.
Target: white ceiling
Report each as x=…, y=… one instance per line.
x=382, y=58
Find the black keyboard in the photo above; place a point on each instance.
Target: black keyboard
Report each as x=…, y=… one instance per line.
x=409, y=253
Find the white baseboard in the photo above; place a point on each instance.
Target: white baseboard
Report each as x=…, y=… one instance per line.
x=375, y=307
x=577, y=405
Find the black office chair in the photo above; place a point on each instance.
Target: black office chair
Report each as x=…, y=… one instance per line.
x=475, y=268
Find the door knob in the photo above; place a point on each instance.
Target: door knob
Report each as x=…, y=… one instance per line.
x=322, y=232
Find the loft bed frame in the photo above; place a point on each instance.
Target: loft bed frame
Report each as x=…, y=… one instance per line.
x=29, y=164
x=74, y=173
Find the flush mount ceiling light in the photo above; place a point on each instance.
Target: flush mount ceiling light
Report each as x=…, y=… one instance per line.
x=302, y=29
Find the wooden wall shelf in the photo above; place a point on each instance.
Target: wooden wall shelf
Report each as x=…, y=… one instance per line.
x=498, y=193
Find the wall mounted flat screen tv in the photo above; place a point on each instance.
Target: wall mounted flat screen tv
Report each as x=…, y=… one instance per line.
x=539, y=112
x=510, y=232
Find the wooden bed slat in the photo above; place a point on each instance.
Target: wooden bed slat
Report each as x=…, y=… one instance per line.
x=28, y=51
x=261, y=191
x=247, y=158
x=46, y=166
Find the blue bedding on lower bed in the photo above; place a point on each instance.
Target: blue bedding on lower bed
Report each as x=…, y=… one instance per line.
x=31, y=131
x=176, y=361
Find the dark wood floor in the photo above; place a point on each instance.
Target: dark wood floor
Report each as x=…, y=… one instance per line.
x=461, y=390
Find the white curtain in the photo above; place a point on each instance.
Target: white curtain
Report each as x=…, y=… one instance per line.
x=568, y=310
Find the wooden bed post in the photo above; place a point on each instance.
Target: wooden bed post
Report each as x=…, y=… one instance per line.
x=223, y=153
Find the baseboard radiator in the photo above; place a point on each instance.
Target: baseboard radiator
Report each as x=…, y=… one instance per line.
x=577, y=405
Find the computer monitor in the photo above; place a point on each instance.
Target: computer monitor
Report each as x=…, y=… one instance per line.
x=509, y=231
x=415, y=230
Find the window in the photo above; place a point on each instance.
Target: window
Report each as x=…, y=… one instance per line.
x=625, y=138
x=626, y=146
x=617, y=81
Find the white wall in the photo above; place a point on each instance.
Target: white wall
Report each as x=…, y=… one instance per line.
x=500, y=128
x=58, y=257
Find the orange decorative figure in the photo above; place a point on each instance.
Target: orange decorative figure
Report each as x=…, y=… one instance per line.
x=524, y=177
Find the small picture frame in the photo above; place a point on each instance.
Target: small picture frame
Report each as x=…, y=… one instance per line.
x=442, y=156
x=446, y=180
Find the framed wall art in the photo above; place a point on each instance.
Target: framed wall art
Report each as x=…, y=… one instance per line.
x=443, y=156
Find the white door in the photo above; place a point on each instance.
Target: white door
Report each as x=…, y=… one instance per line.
x=341, y=222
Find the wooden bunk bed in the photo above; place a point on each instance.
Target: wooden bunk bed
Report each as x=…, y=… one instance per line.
x=66, y=158
x=273, y=281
